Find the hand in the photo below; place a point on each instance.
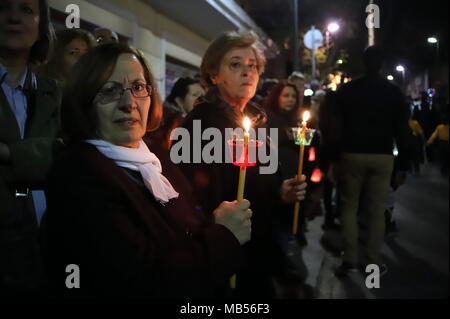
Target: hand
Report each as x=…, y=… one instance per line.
x=293, y=190
x=4, y=152
x=236, y=217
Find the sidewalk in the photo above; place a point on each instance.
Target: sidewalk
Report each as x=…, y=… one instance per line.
x=417, y=258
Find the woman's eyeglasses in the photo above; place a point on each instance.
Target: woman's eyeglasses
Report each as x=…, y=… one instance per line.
x=116, y=91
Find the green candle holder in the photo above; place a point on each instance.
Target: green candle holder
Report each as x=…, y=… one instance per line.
x=303, y=139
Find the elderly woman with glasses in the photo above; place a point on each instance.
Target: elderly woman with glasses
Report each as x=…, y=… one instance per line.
x=121, y=216
x=231, y=68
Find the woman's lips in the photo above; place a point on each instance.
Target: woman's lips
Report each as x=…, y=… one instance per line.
x=127, y=121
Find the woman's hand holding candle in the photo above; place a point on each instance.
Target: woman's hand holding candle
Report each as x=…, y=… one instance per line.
x=293, y=190
x=236, y=217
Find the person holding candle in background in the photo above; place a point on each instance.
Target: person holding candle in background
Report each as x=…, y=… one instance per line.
x=284, y=113
x=231, y=68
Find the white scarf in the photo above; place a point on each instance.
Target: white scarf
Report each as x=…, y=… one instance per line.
x=142, y=160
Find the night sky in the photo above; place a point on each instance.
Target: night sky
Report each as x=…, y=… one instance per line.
x=405, y=27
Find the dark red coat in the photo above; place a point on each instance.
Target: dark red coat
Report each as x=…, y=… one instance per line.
x=125, y=243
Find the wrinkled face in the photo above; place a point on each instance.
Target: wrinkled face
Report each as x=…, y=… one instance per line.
x=19, y=24
x=73, y=51
x=123, y=121
x=238, y=75
x=194, y=92
x=287, y=99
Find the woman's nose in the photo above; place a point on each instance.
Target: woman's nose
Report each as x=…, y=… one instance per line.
x=126, y=102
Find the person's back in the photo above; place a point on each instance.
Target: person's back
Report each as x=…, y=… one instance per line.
x=373, y=114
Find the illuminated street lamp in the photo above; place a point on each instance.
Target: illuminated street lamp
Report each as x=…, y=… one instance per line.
x=333, y=27
x=434, y=40
x=401, y=69
x=390, y=77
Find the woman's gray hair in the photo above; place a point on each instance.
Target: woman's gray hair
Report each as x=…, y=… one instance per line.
x=225, y=42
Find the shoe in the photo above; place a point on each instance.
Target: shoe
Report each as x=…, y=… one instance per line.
x=346, y=268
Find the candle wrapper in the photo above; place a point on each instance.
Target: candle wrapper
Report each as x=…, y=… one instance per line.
x=239, y=158
x=301, y=138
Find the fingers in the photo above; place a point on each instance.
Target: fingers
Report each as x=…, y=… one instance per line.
x=243, y=204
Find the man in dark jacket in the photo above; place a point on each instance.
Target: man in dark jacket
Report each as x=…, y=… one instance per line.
x=373, y=115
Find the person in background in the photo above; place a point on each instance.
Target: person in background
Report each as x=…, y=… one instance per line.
x=284, y=113
x=440, y=136
x=105, y=35
x=178, y=104
x=373, y=115
x=418, y=141
x=29, y=127
x=118, y=208
x=183, y=96
x=70, y=45
x=263, y=93
x=298, y=79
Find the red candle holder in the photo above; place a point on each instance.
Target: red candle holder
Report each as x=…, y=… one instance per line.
x=241, y=157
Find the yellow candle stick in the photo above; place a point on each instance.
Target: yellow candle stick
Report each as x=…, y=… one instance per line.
x=242, y=173
x=300, y=169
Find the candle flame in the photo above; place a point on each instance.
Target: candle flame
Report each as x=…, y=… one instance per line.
x=306, y=116
x=246, y=124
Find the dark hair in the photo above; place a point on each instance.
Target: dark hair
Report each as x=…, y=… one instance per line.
x=55, y=67
x=225, y=42
x=40, y=51
x=272, y=101
x=90, y=73
x=181, y=88
x=373, y=58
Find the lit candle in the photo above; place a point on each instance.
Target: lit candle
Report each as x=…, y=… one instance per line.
x=300, y=168
x=242, y=173
x=243, y=168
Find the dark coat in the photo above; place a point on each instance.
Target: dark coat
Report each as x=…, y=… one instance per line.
x=31, y=158
x=217, y=182
x=124, y=242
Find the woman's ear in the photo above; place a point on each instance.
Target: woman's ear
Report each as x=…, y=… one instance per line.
x=213, y=79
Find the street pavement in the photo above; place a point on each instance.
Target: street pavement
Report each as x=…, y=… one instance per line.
x=417, y=257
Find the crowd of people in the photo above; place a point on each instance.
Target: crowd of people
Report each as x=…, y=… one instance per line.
x=82, y=120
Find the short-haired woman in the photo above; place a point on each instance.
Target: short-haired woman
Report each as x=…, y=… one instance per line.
x=230, y=69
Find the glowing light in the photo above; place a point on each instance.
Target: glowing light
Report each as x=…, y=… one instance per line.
x=432, y=40
x=306, y=116
x=390, y=77
x=316, y=176
x=312, y=154
x=333, y=27
x=309, y=92
x=400, y=68
x=247, y=124
x=340, y=61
